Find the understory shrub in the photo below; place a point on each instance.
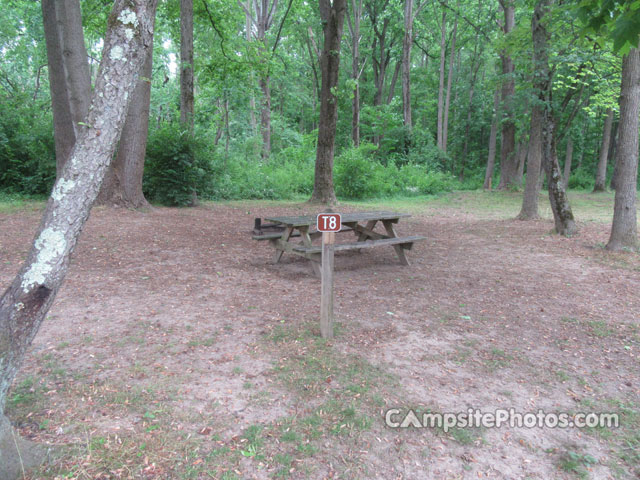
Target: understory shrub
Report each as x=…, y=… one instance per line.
x=27, y=149
x=177, y=166
x=581, y=179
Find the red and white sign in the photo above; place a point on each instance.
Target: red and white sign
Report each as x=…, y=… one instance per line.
x=329, y=222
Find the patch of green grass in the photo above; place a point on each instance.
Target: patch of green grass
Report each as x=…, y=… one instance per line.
x=574, y=462
x=599, y=328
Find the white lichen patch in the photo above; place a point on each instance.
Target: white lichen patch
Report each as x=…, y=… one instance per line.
x=116, y=53
x=128, y=33
x=61, y=188
x=50, y=245
x=127, y=17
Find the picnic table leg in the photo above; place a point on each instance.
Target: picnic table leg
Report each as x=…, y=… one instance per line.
x=388, y=226
x=369, y=226
x=306, y=240
x=285, y=238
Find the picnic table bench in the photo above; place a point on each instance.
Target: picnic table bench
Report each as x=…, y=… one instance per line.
x=362, y=224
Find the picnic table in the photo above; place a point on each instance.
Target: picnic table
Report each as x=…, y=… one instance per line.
x=362, y=224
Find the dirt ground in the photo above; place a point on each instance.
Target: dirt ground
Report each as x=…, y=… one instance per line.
x=176, y=349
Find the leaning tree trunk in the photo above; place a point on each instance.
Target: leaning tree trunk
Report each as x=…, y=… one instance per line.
x=332, y=14
x=122, y=185
x=491, y=159
x=543, y=82
x=601, y=172
x=24, y=304
x=508, y=162
x=624, y=229
x=69, y=74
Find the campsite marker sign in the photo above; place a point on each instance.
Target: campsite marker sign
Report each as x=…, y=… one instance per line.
x=328, y=224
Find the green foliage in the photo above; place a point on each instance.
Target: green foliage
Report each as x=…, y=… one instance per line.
x=358, y=175
x=177, y=166
x=27, y=150
x=581, y=179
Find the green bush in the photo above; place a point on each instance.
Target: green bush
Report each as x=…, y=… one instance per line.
x=581, y=179
x=358, y=175
x=27, y=149
x=177, y=166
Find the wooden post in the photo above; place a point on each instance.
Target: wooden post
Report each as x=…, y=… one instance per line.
x=326, y=301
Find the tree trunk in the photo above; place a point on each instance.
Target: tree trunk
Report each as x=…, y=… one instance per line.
x=488, y=176
x=24, y=305
x=508, y=162
x=529, y=210
x=69, y=74
x=265, y=116
x=332, y=14
x=252, y=99
x=452, y=55
x=568, y=158
x=601, y=172
x=543, y=82
x=407, y=43
x=394, y=80
x=624, y=230
x=122, y=185
x=354, y=28
x=186, y=63
x=521, y=155
x=443, y=52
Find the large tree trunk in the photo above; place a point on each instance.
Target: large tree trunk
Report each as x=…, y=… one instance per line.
x=122, y=185
x=568, y=158
x=624, y=229
x=332, y=14
x=601, y=172
x=443, y=53
x=407, y=43
x=445, y=118
x=493, y=134
x=543, y=82
x=529, y=210
x=69, y=74
x=24, y=304
x=508, y=162
x=186, y=63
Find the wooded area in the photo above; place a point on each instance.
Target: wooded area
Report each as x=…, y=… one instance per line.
x=174, y=102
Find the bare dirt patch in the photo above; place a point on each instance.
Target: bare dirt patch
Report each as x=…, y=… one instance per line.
x=175, y=349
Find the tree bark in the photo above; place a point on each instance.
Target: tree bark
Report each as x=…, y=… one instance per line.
x=394, y=80
x=521, y=155
x=24, y=304
x=69, y=74
x=529, y=210
x=624, y=229
x=493, y=134
x=443, y=53
x=543, y=82
x=568, y=158
x=186, y=63
x=445, y=118
x=354, y=29
x=407, y=43
x=332, y=14
x=265, y=116
x=122, y=185
x=508, y=162
x=601, y=172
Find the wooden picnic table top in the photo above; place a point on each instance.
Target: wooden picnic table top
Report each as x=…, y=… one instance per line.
x=308, y=220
